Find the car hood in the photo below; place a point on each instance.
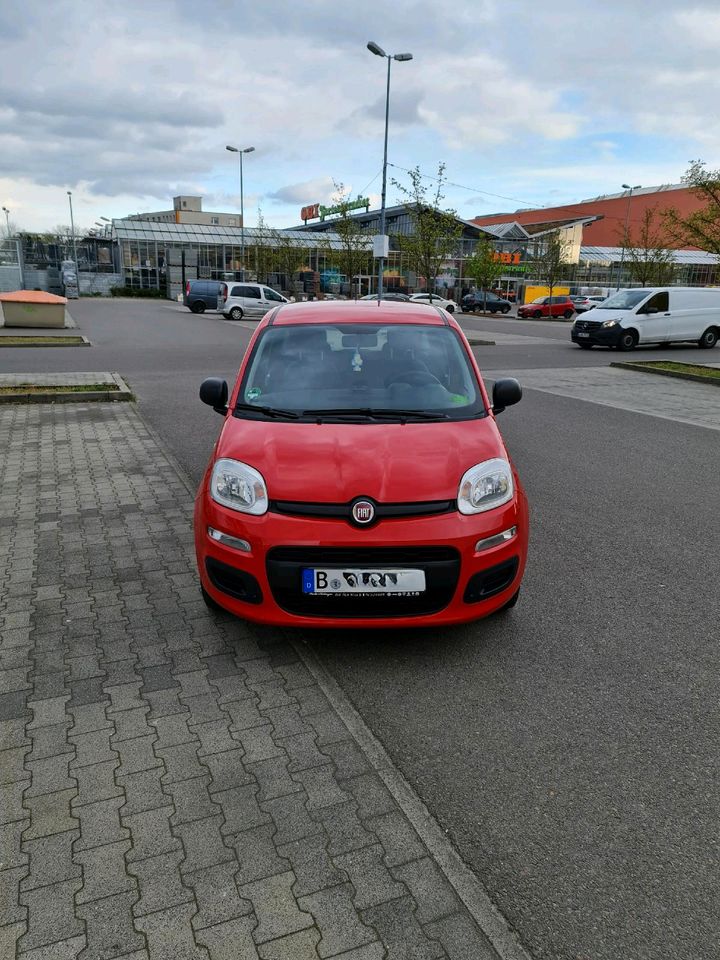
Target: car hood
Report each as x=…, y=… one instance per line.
x=334, y=462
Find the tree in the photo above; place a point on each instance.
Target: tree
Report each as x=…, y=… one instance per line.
x=435, y=232
x=702, y=228
x=352, y=257
x=646, y=250
x=8, y=229
x=550, y=258
x=482, y=266
x=265, y=256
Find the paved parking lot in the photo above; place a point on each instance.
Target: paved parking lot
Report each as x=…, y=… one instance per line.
x=563, y=749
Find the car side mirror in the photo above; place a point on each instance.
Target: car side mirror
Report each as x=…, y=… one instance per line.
x=214, y=392
x=505, y=393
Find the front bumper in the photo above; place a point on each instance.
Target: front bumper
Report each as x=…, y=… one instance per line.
x=264, y=585
x=597, y=335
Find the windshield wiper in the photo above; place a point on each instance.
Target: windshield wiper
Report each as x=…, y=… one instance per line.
x=269, y=411
x=383, y=413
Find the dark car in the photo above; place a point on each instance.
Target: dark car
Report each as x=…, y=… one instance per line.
x=201, y=295
x=402, y=297
x=485, y=300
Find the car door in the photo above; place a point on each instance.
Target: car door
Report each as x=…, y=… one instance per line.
x=273, y=298
x=654, y=319
x=252, y=301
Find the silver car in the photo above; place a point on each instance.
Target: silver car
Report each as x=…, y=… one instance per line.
x=250, y=300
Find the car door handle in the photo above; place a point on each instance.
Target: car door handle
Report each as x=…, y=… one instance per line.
x=667, y=314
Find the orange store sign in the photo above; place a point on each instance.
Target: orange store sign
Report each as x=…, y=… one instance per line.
x=310, y=212
x=513, y=258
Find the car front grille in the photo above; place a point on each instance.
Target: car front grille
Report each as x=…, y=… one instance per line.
x=285, y=565
x=342, y=511
x=587, y=325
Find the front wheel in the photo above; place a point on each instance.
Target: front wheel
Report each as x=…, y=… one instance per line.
x=628, y=340
x=568, y=314
x=708, y=340
x=450, y=308
x=511, y=602
x=236, y=313
x=537, y=315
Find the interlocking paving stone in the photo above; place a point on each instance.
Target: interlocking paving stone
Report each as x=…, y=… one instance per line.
x=341, y=927
x=216, y=895
x=50, y=860
x=231, y=940
x=109, y=927
x=169, y=934
x=52, y=914
x=179, y=785
x=400, y=932
x=277, y=911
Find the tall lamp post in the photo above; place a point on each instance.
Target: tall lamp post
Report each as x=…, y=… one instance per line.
x=7, y=219
x=379, y=52
x=72, y=229
x=625, y=186
x=240, y=153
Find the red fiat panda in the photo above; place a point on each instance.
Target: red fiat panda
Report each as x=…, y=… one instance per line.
x=360, y=477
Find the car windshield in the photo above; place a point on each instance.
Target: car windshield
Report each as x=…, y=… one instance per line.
x=540, y=300
x=623, y=300
x=355, y=369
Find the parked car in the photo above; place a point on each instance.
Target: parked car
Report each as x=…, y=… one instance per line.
x=547, y=307
x=437, y=301
x=201, y=295
x=251, y=300
x=485, y=300
x=583, y=303
x=390, y=295
x=652, y=315
x=418, y=518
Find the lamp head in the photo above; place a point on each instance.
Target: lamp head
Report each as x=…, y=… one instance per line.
x=377, y=50
x=249, y=150
x=403, y=56
x=232, y=149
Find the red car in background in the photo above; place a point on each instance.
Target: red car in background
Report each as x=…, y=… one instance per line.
x=359, y=478
x=547, y=307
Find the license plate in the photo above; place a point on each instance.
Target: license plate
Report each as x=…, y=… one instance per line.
x=343, y=581
x=583, y=334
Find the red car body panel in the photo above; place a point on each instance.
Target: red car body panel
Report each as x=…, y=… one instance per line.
x=547, y=310
x=332, y=463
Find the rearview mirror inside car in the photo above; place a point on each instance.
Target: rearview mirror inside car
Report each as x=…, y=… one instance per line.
x=214, y=392
x=505, y=393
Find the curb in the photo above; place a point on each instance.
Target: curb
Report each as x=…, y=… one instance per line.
x=50, y=342
x=123, y=393
x=675, y=374
x=481, y=343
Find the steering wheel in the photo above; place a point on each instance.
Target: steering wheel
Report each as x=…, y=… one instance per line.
x=415, y=378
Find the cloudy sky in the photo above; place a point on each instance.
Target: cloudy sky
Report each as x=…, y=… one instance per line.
x=130, y=103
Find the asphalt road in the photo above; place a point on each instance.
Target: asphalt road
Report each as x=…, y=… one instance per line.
x=569, y=748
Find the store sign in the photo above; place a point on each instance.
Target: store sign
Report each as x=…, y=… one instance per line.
x=313, y=211
x=511, y=258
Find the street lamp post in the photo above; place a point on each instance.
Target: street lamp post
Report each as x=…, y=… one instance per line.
x=240, y=153
x=72, y=229
x=7, y=219
x=625, y=186
x=379, y=52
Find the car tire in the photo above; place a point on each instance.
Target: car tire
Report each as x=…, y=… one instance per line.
x=568, y=314
x=511, y=602
x=450, y=308
x=506, y=309
x=585, y=346
x=708, y=340
x=198, y=307
x=628, y=340
x=537, y=315
x=236, y=313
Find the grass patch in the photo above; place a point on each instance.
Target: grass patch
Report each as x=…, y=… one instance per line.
x=59, y=388
x=45, y=341
x=674, y=366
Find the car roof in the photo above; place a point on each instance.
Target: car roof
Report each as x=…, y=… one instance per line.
x=358, y=311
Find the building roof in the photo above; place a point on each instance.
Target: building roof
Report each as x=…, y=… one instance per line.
x=200, y=233
x=613, y=254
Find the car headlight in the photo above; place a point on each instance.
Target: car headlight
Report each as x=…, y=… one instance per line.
x=485, y=486
x=238, y=486
x=611, y=323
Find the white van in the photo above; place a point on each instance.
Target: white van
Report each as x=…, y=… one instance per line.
x=652, y=315
x=251, y=300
